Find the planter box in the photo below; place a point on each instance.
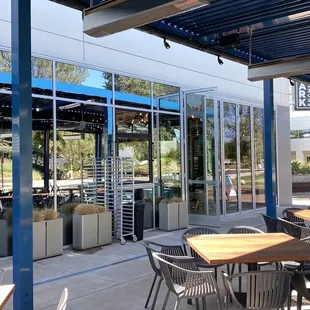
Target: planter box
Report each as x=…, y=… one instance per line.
x=183, y=214
x=67, y=227
x=168, y=216
x=5, y=238
x=47, y=238
x=92, y=230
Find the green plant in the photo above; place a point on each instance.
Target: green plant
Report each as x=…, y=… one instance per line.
x=68, y=208
x=176, y=199
x=37, y=216
x=49, y=214
x=85, y=209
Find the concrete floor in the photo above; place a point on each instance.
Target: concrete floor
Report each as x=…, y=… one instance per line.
x=114, y=277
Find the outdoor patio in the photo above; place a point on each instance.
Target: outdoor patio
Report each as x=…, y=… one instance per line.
x=112, y=277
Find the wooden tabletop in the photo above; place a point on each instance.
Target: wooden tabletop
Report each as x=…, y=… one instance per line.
x=6, y=292
x=249, y=248
x=303, y=214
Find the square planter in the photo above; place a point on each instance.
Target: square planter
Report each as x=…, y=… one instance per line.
x=47, y=238
x=183, y=214
x=92, y=230
x=5, y=238
x=168, y=216
x=67, y=228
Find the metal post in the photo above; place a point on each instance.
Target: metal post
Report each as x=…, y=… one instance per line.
x=22, y=154
x=269, y=149
x=98, y=146
x=46, y=158
x=54, y=137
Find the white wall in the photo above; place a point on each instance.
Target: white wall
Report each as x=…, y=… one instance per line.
x=57, y=32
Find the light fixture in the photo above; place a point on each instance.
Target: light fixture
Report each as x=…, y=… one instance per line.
x=219, y=60
x=291, y=82
x=166, y=44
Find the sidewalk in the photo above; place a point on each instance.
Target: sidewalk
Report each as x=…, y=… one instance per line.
x=115, y=277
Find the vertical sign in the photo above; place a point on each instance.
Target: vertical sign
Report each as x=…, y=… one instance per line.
x=302, y=96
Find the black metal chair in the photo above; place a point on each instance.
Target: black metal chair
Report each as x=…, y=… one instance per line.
x=272, y=224
x=299, y=281
x=296, y=231
x=288, y=215
x=153, y=247
x=200, y=262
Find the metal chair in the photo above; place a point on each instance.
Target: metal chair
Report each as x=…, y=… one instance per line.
x=153, y=247
x=288, y=215
x=296, y=231
x=186, y=283
x=272, y=224
x=299, y=281
x=63, y=300
x=265, y=290
x=200, y=262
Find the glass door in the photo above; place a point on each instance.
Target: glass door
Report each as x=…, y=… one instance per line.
x=202, y=149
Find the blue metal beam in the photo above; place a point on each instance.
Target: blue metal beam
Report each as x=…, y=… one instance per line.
x=269, y=149
x=22, y=154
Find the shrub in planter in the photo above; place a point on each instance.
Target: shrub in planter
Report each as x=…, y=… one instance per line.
x=66, y=212
x=6, y=234
x=92, y=226
x=47, y=234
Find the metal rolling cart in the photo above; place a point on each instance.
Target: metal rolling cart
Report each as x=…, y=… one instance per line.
x=110, y=182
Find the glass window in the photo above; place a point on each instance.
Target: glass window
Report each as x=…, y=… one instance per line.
x=132, y=92
x=259, y=166
x=166, y=97
x=230, y=148
x=41, y=72
x=245, y=158
x=81, y=83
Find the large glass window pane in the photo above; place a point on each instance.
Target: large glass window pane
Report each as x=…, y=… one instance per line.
x=134, y=139
x=245, y=158
x=166, y=97
x=132, y=92
x=80, y=83
x=259, y=165
x=230, y=147
x=41, y=71
x=170, y=155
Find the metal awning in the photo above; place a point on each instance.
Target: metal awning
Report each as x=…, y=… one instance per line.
x=280, y=29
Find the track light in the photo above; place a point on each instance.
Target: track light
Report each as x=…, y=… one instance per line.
x=167, y=45
x=219, y=60
x=291, y=82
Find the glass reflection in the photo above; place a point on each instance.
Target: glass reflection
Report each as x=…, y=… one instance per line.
x=132, y=92
x=245, y=158
x=259, y=166
x=166, y=97
x=230, y=148
x=81, y=83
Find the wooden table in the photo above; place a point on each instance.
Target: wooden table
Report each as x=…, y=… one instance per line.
x=303, y=214
x=6, y=292
x=249, y=248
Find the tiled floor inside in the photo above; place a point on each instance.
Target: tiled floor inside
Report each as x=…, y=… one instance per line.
x=114, y=277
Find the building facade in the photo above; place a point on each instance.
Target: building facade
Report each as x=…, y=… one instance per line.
x=193, y=127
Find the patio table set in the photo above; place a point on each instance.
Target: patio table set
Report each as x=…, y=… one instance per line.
x=190, y=269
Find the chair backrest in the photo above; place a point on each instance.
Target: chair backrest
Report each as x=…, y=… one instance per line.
x=265, y=289
x=291, y=229
x=63, y=300
x=271, y=224
x=183, y=271
x=288, y=215
x=299, y=284
x=153, y=247
x=196, y=231
x=245, y=230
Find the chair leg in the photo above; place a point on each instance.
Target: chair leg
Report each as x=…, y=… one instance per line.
x=240, y=270
x=228, y=269
x=151, y=291
x=299, y=301
x=232, y=269
x=166, y=300
x=177, y=304
x=156, y=293
x=215, y=273
x=204, y=303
